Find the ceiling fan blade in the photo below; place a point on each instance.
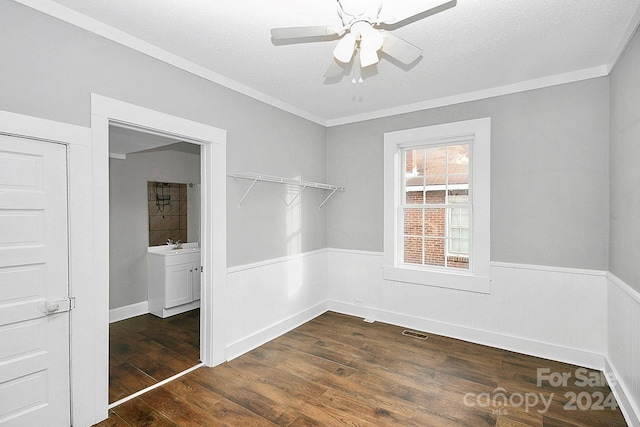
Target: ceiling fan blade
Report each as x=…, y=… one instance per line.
x=400, y=49
x=402, y=20
x=301, y=32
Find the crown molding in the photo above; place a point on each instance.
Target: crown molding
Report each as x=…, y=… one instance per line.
x=77, y=19
x=92, y=25
x=540, y=83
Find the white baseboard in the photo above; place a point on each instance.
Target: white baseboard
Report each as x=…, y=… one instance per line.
x=269, y=333
x=630, y=412
x=519, y=345
x=128, y=311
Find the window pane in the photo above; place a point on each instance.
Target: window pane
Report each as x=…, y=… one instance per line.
x=458, y=196
x=434, y=222
x=413, y=250
x=459, y=262
x=415, y=196
x=464, y=245
x=458, y=159
x=435, y=195
x=434, y=252
x=459, y=217
x=454, y=244
x=437, y=236
x=458, y=179
x=436, y=164
x=414, y=176
x=413, y=223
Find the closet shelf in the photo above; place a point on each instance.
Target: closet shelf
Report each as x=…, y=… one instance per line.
x=255, y=177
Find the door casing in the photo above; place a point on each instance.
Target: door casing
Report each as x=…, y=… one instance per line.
x=105, y=112
x=88, y=186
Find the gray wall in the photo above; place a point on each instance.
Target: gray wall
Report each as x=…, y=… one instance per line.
x=549, y=175
x=624, y=249
x=129, y=216
x=50, y=68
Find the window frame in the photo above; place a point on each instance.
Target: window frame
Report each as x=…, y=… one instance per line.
x=477, y=133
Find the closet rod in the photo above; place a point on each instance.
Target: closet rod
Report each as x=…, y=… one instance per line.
x=255, y=177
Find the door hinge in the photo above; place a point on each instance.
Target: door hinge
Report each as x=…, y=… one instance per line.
x=60, y=305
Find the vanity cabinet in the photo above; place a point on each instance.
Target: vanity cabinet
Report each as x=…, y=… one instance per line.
x=174, y=281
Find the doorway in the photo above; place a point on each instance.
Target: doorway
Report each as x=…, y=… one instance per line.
x=152, y=338
x=108, y=112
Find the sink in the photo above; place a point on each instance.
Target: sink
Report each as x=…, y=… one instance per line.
x=167, y=250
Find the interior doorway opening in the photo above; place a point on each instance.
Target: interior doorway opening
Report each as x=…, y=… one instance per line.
x=106, y=112
x=154, y=260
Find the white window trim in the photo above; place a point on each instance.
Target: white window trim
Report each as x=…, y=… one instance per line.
x=478, y=131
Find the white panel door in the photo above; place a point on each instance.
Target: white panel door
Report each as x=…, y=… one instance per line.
x=34, y=338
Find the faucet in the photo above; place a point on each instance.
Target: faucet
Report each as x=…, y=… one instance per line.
x=176, y=245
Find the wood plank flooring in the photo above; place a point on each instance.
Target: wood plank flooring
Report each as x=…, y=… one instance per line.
x=146, y=349
x=337, y=370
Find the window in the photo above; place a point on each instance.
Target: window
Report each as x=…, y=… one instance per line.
x=435, y=210
x=437, y=205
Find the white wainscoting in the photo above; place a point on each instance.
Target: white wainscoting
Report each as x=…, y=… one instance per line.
x=553, y=313
x=268, y=299
x=584, y=317
x=623, y=356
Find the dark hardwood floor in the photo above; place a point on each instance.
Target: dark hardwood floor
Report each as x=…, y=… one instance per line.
x=337, y=370
x=146, y=349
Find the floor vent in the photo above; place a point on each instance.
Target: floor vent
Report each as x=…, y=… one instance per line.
x=414, y=334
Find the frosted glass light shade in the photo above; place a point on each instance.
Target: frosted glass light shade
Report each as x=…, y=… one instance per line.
x=345, y=47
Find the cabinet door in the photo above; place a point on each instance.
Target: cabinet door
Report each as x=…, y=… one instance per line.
x=178, y=286
x=196, y=281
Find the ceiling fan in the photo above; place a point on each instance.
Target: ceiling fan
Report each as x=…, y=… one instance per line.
x=364, y=32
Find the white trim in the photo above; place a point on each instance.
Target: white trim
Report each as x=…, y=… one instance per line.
x=520, y=266
x=635, y=295
x=155, y=386
x=43, y=130
x=520, y=345
x=355, y=252
x=629, y=410
x=128, y=311
x=82, y=21
x=271, y=332
x=81, y=274
x=87, y=23
x=623, y=331
x=259, y=264
x=105, y=111
x=558, y=79
x=624, y=41
x=568, y=270
x=477, y=133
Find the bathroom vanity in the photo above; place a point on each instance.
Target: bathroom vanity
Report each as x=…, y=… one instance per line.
x=174, y=279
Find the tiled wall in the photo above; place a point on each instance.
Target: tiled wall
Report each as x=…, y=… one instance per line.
x=167, y=212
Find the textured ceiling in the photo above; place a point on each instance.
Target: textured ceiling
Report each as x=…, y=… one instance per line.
x=478, y=48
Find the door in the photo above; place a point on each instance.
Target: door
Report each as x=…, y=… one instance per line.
x=34, y=321
x=178, y=289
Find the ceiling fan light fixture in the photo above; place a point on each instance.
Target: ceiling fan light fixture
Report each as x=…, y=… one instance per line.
x=368, y=57
x=371, y=42
x=345, y=48
x=371, y=37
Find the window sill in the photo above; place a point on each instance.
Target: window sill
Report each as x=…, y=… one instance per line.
x=462, y=281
